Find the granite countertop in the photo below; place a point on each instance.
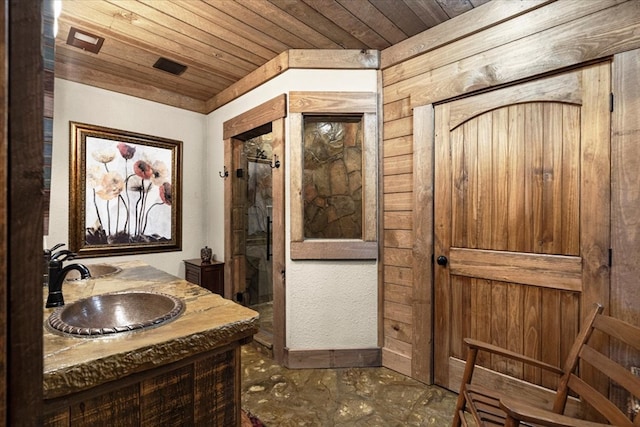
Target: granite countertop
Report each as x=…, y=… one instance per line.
x=73, y=364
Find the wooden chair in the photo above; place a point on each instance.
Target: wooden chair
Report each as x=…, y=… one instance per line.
x=491, y=407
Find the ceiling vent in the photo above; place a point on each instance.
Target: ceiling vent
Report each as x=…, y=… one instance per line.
x=84, y=40
x=169, y=66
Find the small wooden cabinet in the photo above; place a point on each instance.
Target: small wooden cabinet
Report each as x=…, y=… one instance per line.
x=210, y=276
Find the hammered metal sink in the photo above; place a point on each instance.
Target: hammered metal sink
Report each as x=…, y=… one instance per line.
x=115, y=313
x=97, y=271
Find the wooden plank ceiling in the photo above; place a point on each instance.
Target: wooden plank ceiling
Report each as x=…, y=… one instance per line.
x=222, y=41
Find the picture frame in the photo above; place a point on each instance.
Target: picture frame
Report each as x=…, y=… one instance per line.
x=125, y=192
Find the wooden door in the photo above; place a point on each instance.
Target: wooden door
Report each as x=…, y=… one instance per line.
x=521, y=219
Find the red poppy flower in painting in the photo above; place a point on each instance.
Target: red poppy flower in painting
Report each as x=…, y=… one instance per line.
x=165, y=193
x=143, y=169
x=126, y=150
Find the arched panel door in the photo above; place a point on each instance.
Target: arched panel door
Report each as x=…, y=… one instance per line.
x=521, y=220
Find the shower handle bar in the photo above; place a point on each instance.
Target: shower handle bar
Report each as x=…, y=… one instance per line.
x=268, y=238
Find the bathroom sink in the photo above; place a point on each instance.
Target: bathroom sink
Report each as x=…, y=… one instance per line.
x=97, y=271
x=114, y=313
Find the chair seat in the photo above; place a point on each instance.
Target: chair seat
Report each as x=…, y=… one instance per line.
x=485, y=406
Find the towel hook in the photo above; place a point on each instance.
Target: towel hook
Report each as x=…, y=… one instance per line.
x=276, y=162
x=225, y=174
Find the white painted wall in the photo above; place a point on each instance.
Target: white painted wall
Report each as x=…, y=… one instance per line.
x=86, y=104
x=330, y=304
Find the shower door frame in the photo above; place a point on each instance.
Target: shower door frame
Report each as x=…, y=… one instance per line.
x=272, y=113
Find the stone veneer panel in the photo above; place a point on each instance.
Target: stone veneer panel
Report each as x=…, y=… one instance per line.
x=332, y=178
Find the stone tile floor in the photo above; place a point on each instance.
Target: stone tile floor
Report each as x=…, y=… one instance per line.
x=282, y=397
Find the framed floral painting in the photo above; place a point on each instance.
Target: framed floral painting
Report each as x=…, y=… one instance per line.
x=125, y=192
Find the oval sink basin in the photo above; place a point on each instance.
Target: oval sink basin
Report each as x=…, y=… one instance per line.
x=97, y=271
x=115, y=313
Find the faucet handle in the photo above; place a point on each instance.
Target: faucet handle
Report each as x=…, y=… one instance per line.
x=56, y=246
x=63, y=255
x=48, y=253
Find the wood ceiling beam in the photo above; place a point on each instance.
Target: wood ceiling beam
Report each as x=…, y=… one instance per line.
x=352, y=59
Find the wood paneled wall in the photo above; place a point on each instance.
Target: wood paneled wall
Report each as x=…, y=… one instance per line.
x=483, y=49
x=625, y=197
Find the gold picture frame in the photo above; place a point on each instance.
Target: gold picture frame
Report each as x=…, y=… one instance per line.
x=125, y=192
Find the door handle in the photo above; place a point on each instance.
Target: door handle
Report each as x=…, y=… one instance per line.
x=268, y=238
x=442, y=260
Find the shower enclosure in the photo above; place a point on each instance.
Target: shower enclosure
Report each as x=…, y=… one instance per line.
x=258, y=234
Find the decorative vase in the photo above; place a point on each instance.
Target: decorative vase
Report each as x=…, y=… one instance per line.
x=205, y=255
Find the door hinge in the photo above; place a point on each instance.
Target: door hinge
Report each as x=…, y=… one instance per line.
x=611, y=102
x=610, y=257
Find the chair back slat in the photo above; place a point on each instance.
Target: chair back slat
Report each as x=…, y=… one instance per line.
x=613, y=370
x=619, y=329
x=599, y=402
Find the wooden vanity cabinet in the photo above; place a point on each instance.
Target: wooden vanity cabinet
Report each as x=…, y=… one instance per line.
x=200, y=391
x=210, y=276
x=186, y=373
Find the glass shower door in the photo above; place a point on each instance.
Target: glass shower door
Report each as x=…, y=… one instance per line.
x=258, y=276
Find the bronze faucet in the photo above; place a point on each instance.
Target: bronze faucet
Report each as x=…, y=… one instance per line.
x=57, y=274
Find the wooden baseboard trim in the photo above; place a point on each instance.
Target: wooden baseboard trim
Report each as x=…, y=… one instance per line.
x=339, y=358
x=396, y=362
